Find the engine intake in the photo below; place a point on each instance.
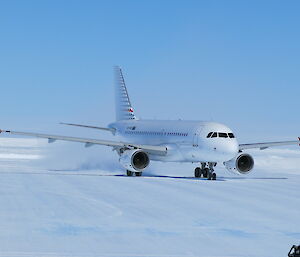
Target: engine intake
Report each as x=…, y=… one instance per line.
x=242, y=164
x=134, y=160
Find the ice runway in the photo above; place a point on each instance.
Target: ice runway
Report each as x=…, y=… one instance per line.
x=95, y=212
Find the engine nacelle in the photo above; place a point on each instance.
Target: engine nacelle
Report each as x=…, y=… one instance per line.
x=242, y=164
x=134, y=160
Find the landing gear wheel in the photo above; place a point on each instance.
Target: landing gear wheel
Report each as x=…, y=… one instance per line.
x=214, y=176
x=138, y=174
x=198, y=172
x=206, y=172
x=129, y=173
x=209, y=176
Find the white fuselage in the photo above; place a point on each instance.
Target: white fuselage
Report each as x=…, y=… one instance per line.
x=186, y=141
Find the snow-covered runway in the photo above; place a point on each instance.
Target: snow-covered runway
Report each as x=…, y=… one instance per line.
x=102, y=213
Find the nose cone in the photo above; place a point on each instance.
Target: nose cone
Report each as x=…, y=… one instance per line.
x=229, y=149
x=220, y=142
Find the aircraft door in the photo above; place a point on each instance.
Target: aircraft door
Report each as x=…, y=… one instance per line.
x=196, y=137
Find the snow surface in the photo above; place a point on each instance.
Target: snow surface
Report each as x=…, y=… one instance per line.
x=64, y=200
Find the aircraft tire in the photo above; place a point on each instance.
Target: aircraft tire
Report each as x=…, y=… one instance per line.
x=129, y=173
x=138, y=174
x=198, y=172
x=214, y=176
x=206, y=173
x=209, y=176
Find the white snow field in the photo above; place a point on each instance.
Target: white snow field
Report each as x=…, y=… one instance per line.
x=79, y=203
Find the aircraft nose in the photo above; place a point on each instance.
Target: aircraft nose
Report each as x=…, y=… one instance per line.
x=232, y=149
x=228, y=149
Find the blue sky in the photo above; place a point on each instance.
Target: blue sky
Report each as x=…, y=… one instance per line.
x=236, y=62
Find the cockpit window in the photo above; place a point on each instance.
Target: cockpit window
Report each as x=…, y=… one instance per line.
x=209, y=134
x=220, y=134
x=231, y=135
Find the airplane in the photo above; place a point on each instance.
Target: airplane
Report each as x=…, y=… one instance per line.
x=141, y=141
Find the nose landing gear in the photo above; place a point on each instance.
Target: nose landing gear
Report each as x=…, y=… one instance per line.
x=206, y=170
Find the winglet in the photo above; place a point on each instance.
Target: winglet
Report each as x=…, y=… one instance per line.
x=51, y=140
x=4, y=131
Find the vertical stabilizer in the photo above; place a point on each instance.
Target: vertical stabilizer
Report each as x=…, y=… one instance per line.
x=124, y=110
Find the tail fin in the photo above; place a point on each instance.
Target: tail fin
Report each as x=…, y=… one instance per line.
x=124, y=110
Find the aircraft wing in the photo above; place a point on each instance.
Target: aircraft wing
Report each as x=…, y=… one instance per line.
x=153, y=149
x=263, y=146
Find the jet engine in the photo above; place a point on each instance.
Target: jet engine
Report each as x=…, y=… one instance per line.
x=134, y=160
x=242, y=164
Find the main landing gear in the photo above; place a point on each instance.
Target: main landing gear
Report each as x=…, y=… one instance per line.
x=131, y=173
x=206, y=170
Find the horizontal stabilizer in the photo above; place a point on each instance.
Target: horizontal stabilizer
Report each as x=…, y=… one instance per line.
x=112, y=130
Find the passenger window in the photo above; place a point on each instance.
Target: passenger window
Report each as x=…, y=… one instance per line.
x=231, y=135
x=214, y=134
x=209, y=134
x=221, y=134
